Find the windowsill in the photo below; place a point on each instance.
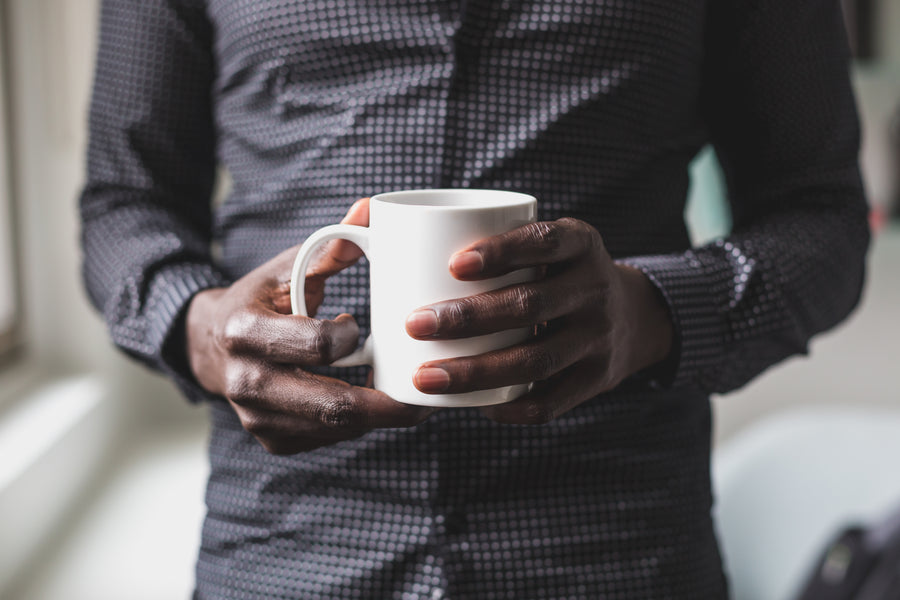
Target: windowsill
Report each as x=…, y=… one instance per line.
x=18, y=375
x=139, y=530
x=55, y=435
x=33, y=426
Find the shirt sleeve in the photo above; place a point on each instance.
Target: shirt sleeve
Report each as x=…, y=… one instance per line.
x=781, y=115
x=145, y=207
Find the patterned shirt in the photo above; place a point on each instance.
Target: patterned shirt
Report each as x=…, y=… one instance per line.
x=596, y=107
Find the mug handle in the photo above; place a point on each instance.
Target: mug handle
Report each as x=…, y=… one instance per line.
x=353, y=233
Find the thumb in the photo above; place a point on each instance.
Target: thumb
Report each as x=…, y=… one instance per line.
x=358, y=214
x=337, y=255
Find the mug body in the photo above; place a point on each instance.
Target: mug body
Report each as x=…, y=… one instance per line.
x=412, y=235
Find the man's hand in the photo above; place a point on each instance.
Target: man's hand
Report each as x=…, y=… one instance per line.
x=604, y=322
x=243, y=344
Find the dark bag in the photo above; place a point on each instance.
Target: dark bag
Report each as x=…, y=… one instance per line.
x=861, y=564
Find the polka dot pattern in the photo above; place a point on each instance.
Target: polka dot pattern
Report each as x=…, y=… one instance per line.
x=594, y=107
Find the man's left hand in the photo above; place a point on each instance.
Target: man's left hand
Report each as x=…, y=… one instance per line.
x=598, y=322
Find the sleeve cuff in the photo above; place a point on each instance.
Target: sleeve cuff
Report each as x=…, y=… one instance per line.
x=699, y=340
x=161, y=344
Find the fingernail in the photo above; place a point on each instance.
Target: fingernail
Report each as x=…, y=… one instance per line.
x=467, y=262
x=422, y=323
x=431, y=379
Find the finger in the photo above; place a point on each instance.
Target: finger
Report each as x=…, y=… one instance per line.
x=549, y=399
x=520, y=305
x=535, y=360
x=330, y=258
x=278, y=296
x=290, y=401
x=330, y=411
x=269, y=285
x=337, y=255
x=289, y=339
x=535, y=244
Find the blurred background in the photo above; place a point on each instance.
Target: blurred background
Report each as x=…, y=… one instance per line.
x=102, y=465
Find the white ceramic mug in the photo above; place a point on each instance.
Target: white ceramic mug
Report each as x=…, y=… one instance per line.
x=409, y=241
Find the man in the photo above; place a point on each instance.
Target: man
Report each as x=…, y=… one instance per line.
x=596, y=483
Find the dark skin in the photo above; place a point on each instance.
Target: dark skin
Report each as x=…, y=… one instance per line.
x=243, y=343
x=606, y=322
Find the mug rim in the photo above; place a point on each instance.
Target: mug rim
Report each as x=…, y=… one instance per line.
x=497, y=199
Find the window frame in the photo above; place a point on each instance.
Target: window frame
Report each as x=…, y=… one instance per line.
x=11, y=334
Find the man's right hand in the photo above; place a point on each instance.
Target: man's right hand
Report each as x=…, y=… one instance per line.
x=243, y=344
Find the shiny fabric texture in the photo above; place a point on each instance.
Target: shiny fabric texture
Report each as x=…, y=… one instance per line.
x=594, y=107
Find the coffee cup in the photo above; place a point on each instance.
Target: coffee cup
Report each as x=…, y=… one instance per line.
x=409, y=241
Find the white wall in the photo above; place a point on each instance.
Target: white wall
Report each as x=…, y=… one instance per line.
x=49, y=84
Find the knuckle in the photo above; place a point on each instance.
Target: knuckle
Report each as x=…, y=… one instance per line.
x=589, y=236
x=594, y=239
x=339, y=412
x=603, y=366
x=524, y=412
x=541, y=363
x=528, y=302
x=546, y=236
x=236, y=331
x=537, y=413
x=596, y=302
x=244, y=382
x=602, y=326
x=321, y=343
x=602, y=360
x=461, y=313
x=528, y=412
x=604, y=292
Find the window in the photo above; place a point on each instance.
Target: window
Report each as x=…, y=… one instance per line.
x=9, y=309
